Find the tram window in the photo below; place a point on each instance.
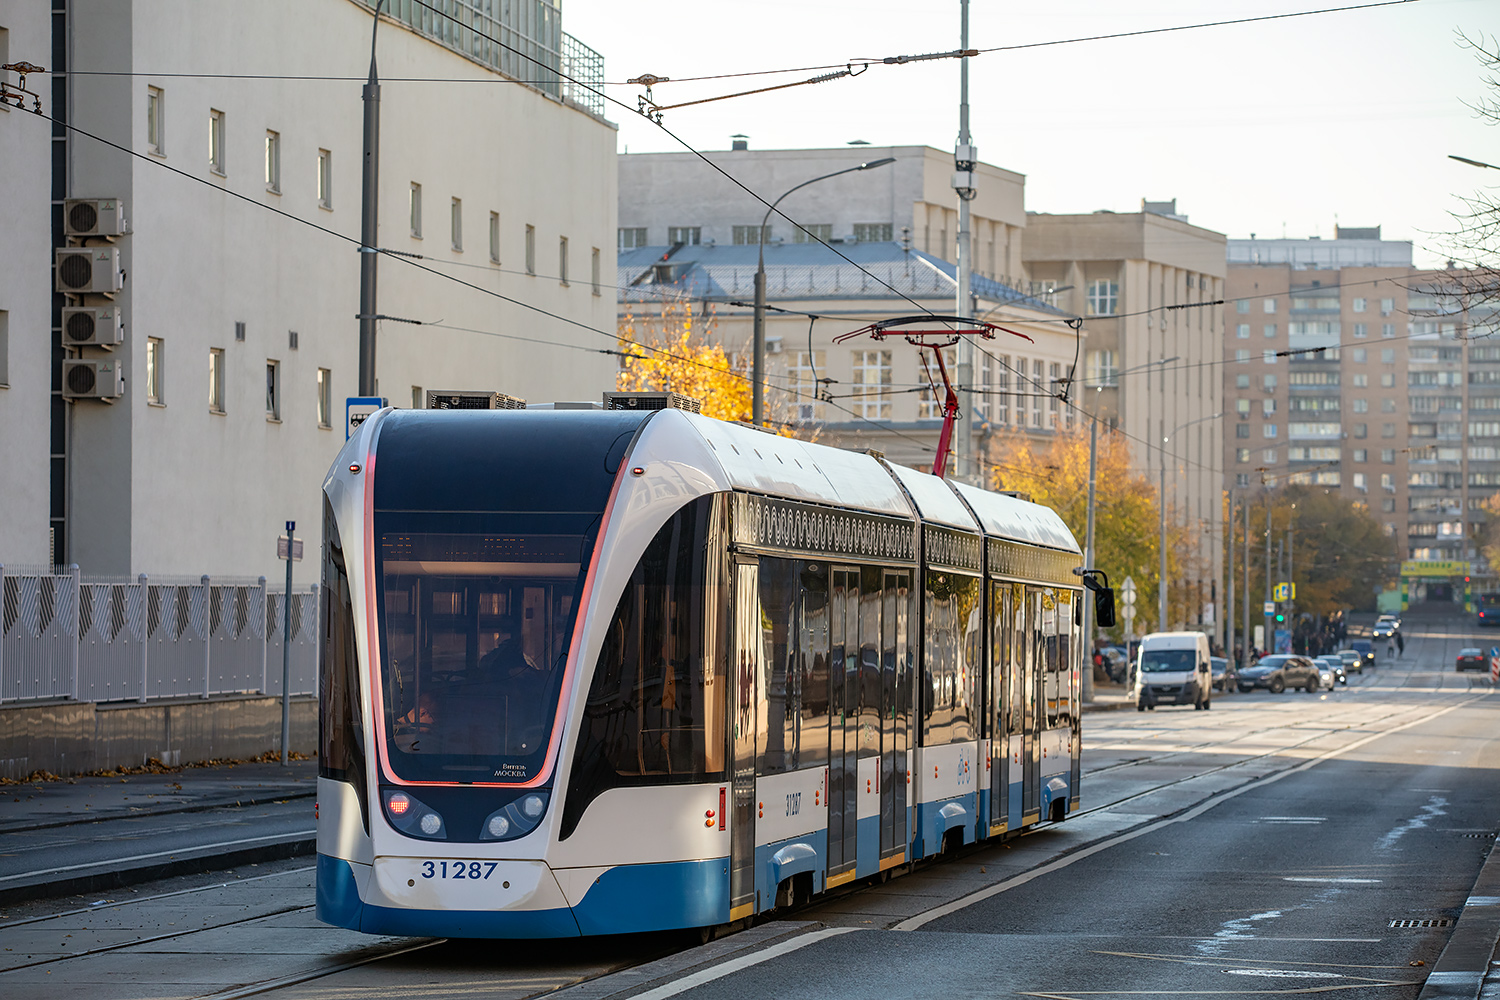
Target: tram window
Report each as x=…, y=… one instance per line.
x=1065, y=638
x=793, y=688
x=871, y=688
x=950, y=679
x=812, y=667
x=655, y=708
x=1000, y=671
x=340, y=729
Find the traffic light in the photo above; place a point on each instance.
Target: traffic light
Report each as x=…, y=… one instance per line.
x=1280, y=617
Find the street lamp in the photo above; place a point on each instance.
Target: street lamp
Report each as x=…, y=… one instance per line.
x=1161, y=501
x=757, y=389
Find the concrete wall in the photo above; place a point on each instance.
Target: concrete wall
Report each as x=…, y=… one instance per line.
x=72, y=737
x=25, y=302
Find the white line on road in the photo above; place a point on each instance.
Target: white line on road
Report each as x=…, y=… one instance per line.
x=745, y=962
x=1333, y=881
x=160, y=854
x=921, y=919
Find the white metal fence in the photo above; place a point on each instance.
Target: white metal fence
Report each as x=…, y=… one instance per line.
x=61, y=637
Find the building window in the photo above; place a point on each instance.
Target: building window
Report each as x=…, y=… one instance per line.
x=273, y=162
x=751, y=235
x=1361, y=381
x=325, y=398
x=1387, y=406
x=1242, y=455
x=4, y=348
x=1242, y=331
x=1241, y=356
x=1242, y=480
x=1387, y=306
x=494, y=237
x=1268, y=456
x=416, y=397
x=1268, y=430
x=596, y=267
x=1388, y=356
x=1388, y=380
x=1388, y=330
x=216, y=141
x=1361, y=455
x=1267, y=407
x=414, y=210
x=872, y=380
x=1269, y=383
x=818, y=232
x=1001, y=408
x=154, y=371
x=1358, y=305
x=872, y=232
x=1242, y=406
x=325, y=179
x=531, y=249
x=1388, y=504
x=1361, y=430
x=1361, y=330
x=1242, y=430
x=1361, y=406
x=1242, y=381
x=1242, y=306
x=690, y=235
x=216, y=380
x=1038, y=386
x=456, y=223
x=631, y=237
x=562, y=260
x=1268, y=305
x=156, y=123
x=1104, y=297
x=1387, y=430
x=1102, y=369
x=273, y=390
x=1269, y=329
x=1268, y=356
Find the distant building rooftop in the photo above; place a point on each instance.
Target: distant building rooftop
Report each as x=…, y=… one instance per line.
x=1361, y=247
x=800, y=271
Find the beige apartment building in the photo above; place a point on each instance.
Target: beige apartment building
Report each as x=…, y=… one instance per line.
x=1349, y=369
x=1148, y=285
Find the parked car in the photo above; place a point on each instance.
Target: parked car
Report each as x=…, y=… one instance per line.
x=1354, y=663
x=1223, y=673
x=1366, y=650
x=1116, y=663
x=1471, y=658
x=1278, y=672
x=1336, y=670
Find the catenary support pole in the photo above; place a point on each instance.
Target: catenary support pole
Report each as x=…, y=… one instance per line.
x=1245, y=568
x=963, y=167
x=1230, y=595
x=369, y=226
x=1088, y=563
x=286, y=648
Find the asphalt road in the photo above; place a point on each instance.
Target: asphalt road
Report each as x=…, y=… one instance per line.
x=1276, y=844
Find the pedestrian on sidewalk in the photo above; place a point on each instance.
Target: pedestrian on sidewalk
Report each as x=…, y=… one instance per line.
x=1400, y=644
x=1390, y=647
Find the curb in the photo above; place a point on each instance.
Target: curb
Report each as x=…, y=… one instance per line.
x=105, y=816
x=188, y=864
x=1461, y=968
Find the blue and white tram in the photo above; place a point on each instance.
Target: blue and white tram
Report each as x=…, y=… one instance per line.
x=594, y=672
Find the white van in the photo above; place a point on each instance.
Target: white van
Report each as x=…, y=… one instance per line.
x=1172, y=668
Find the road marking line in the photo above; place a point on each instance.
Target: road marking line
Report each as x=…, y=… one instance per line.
x=1334, y=881
x=921, y=919
x=161, y=854
x=744, y=962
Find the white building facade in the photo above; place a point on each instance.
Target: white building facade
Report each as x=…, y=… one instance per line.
x=238, y=263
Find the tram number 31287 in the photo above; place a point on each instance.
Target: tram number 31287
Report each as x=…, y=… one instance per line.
x=793, y=803
x=459, y=869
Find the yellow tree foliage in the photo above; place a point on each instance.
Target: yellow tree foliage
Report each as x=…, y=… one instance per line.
x=1055, y=473
x=1489, y=533
x=673, y=347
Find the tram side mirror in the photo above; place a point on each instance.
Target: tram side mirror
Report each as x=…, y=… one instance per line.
x=1104, y=607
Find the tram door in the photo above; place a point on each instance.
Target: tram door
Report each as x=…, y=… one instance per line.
x=747, y=653
x=1031, y=796
x=999, y=725
x=843, y=718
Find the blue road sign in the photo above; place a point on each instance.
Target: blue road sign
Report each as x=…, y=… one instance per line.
x=357, y=409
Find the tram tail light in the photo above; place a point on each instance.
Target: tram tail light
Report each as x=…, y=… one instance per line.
x=413, y=818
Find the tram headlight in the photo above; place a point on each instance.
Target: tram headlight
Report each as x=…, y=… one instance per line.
x=413, y=817
x=515, y=819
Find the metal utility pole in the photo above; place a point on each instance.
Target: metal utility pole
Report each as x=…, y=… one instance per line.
x=963, y=185
x=286, y=647
x=1229, y=596
x=1088, y=563
x=1161, y=535
x=1245, y=611
x=1270, y=619
x=369, y=237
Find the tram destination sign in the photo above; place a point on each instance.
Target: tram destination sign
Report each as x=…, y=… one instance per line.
x=770, y=523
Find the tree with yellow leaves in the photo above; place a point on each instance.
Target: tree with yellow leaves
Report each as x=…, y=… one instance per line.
x=1055, y=473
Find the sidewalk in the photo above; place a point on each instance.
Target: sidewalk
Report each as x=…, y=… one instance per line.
x=38, y=805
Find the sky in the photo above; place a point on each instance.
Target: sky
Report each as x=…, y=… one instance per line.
x=1285, y=127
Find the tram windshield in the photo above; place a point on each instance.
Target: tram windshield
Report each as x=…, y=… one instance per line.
x=476, y=629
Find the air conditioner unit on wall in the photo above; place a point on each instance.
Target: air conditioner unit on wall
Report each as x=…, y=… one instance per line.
x=651, y=401
x=88, y=270
x=458, y=399
x=92, y=379
x=94, y=217
x=92, y=326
